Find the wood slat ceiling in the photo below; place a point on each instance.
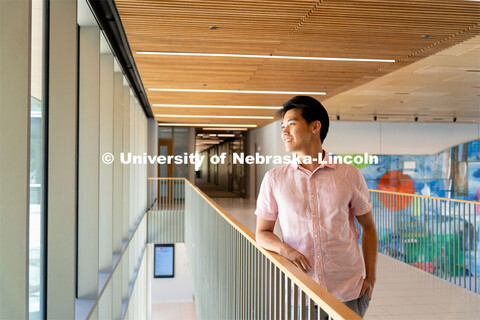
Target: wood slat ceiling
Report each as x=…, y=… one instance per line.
x=406, y=31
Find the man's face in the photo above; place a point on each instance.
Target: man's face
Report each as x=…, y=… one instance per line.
x=297, y=135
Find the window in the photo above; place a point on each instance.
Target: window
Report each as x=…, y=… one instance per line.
x=37, y=163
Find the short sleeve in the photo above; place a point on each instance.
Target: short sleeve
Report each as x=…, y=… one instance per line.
x=266, y=204
x=360, y=202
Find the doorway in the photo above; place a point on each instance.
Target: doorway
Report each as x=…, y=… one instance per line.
x=165, y=148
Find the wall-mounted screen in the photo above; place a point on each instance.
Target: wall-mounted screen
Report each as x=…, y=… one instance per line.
x=164, y=261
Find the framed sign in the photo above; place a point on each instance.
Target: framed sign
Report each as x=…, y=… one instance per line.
x=164, y=261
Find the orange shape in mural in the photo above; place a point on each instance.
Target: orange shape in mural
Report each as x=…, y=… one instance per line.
x=396, y=181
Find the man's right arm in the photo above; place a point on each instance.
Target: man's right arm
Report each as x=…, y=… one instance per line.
x=268, y=240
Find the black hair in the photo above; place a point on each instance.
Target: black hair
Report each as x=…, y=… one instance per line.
x=311, y=109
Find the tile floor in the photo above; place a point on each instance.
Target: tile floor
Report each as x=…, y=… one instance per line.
x=173, y=311
x=401, y=291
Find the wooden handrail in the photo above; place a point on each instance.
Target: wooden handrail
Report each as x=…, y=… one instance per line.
x=167, y=178
x=334, y=307
x=422, y=196
x=372, y=190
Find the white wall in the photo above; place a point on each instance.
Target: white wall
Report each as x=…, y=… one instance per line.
x=397, y=138
x=359, y=137
x=268, y=141
x=179, y=288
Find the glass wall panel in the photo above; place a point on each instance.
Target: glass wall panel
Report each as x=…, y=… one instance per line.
x=37, y=164
x=180, y=147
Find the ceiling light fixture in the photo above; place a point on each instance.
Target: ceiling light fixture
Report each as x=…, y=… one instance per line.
x=225, y=129
x=237, y=91
x=209, y=106
x=208, y=116
x=207, y=125
x=225, y=135
x=259, y=56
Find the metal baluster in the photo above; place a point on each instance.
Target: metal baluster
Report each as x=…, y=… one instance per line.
x=387, y=224
x=289, y=306
x=241, y=261
x=303, y=314
x=262, y=287
x=475, y=246
x=456, y=244
x=255, y=283
x=238, y=268
x=461, y=207
x=411, y=233
x=400, y=225
x=448, y=246
x=469, y=251
x=256, y=298
x=251, y=292
x=295, y=302
x=392, y=244
x=431, y=235
x=436, y=237
x=311, y=310
x=276, y=293
x=269, y=281
x=392, y=218
x=444, y=236
x=396, y=223
x=235, y=276
x=282, y=295
x=425, y=234
x=458, y=260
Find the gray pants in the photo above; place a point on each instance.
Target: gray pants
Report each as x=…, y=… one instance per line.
x=359, y=306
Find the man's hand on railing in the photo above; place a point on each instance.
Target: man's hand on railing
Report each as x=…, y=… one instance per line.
x=267, y=239
x=296, y=257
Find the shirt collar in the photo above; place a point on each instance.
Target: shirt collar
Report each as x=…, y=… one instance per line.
x=323, y=165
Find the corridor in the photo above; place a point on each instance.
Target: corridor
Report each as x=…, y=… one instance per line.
x=401, y=292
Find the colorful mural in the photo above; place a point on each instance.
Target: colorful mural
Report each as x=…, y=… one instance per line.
x=443, y=237
x=452, y=173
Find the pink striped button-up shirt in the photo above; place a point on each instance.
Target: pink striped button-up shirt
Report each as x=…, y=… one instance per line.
x=315, y=212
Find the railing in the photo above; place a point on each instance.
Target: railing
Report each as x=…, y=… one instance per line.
x=235, y=278
x=166, y=218
x=437, y=235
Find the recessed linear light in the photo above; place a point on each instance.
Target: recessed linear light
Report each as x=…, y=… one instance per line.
x=237, y=91
x=207, y=125
x=215, y=117
x=208, y=106
x=196, y=54
x=225, y=135
x=225, y=129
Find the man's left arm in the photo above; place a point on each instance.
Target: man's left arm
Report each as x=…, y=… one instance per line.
x=369, y=248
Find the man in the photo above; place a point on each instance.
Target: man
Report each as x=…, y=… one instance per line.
x=315, y=204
